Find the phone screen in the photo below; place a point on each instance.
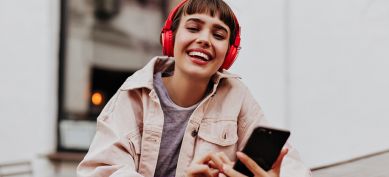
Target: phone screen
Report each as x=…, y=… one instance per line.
x=263, y=146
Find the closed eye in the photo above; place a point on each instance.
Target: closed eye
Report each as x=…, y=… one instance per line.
x=219, y=36
x=220, y=32
x=192, y=29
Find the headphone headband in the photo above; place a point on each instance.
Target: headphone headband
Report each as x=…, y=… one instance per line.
x=169, y=21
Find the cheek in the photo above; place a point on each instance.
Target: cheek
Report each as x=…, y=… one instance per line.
x=180, y=42
x=223, y=49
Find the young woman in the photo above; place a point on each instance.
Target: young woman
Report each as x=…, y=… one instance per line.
x=184, y=115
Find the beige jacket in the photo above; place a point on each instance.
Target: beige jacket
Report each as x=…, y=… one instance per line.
x=130, y=126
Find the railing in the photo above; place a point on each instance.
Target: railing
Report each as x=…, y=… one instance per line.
x=16, y=169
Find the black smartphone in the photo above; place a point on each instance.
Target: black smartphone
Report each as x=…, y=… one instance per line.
x=263, y=146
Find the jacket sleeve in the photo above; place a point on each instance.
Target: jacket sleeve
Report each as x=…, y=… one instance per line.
x=111, y=154
x=251, y=116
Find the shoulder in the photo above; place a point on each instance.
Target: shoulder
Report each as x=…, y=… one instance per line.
x=230, y=82
x=144, y=77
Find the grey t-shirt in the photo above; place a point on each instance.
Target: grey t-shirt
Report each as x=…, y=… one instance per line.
x=175, y=122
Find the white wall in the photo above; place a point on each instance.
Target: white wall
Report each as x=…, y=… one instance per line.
x=28, y=78
x=320, y=69
x=339, y=61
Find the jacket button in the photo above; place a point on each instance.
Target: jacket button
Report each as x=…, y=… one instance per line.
x=194, y=133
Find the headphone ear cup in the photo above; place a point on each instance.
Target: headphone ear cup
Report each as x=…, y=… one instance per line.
x=167, y=43
x=230, y=57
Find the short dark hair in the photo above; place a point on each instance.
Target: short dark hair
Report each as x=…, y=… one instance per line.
x=211, y=7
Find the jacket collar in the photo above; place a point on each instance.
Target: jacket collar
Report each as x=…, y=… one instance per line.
x=143, y=78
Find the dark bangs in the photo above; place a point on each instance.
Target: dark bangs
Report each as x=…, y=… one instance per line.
x=210, y=7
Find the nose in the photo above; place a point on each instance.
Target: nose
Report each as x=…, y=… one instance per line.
x=204, y=39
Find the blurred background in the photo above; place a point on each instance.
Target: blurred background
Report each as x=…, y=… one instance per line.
x=318, y=68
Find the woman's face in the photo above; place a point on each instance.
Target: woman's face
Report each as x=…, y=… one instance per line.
x=200, y=46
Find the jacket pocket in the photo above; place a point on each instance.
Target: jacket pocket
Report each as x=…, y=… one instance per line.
x=219, y=132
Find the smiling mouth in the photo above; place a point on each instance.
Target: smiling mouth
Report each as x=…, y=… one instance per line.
x=199, y=55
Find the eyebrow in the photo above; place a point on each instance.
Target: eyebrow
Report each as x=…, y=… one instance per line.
x=217, y=26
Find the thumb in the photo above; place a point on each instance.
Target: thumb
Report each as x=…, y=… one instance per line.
x=277, y=164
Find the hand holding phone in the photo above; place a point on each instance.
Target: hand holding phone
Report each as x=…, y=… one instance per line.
x=263, y=146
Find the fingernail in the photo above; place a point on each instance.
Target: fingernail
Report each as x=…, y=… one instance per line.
x=239, y=154
x=224, y=167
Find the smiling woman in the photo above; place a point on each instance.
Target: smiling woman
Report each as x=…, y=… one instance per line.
x=183, y=114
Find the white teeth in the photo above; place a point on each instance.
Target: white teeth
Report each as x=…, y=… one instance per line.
x=199, y=54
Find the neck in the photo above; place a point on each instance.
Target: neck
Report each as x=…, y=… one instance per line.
x=185, y=91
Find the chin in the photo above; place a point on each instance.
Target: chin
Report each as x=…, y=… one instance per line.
x=195, y=71
x=199, y=73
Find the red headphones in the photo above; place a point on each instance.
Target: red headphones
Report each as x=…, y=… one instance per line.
x=167, y=39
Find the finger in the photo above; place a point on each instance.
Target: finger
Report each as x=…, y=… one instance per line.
x=198, y=168
x=225, y=158
x=202, y=170
x=250, y=164
x=212, y=157
x=212, y=164
x=214, y=172
x=229, y=171
x=221, y=175
x=277, y=164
